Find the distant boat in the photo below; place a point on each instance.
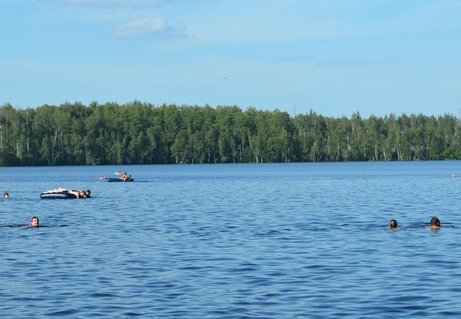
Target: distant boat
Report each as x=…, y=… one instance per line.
x=122, y=177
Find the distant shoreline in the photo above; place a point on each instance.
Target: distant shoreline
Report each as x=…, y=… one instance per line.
x=140, y=133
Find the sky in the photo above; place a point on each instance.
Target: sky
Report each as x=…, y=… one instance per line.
x=335, y=57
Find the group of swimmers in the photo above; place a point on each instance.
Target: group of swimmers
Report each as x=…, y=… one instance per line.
x=435, y=224
x=35, y=222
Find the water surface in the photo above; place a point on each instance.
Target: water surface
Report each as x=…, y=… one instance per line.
x=233, y=241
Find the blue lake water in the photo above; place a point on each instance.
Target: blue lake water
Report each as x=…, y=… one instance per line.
x=233, y=241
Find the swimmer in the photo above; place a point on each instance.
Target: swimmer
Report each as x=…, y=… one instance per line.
x=393, y=224
x=34, y=222
x=435, y=223
x=84, y=194
x=6, y=195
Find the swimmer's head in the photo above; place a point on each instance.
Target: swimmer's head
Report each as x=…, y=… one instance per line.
x=6, y=195
x=34, y=222
x=393, y=223
x=435, y=222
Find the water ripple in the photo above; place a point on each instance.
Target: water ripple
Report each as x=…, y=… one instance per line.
x=257, y=241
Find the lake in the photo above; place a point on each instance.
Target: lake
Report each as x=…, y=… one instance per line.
x=305, y=240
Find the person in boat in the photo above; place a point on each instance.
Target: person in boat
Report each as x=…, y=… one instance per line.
x=393, y=224
x=121, y=175
x=125, y=177
x=34, y=222
x=6, y=195
x=435, y=223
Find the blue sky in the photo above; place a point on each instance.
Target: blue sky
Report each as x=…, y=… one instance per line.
x=335, y=57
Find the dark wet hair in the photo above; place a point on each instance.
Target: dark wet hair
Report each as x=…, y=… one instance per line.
x=435, y=222
x=393, y=223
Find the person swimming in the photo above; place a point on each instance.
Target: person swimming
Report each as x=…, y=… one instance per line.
x=435, y=223
x=84, y=194
x=393, y=224
x=34, y=222
x=6, y=195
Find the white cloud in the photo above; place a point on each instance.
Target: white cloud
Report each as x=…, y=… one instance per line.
x=156, y=27
x=131, y=18
x=358, y=62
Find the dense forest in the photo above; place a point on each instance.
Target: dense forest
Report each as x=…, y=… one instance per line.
x=141, y=133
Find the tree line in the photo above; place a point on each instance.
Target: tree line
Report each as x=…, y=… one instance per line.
x=141, y=133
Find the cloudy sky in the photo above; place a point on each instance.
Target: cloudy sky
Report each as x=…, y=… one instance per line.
x=335, y=57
